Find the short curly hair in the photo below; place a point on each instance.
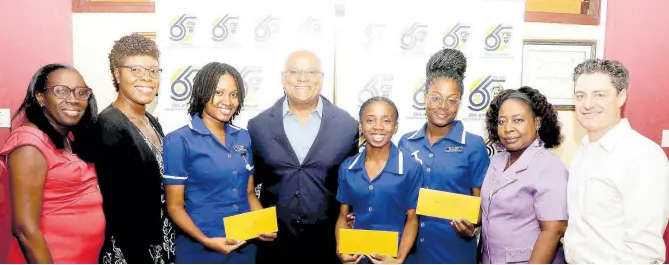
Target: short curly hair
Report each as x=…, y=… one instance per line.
x=550, y=129
x=615, y=70
x=131, y=45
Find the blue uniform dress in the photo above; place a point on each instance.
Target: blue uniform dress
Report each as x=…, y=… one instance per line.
x=456, y=163
x=216, y=178
x=382, y=203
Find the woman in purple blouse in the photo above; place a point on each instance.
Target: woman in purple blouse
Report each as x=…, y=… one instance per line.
x=524, y=194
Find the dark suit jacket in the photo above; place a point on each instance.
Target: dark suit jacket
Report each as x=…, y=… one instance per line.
x=304, y=194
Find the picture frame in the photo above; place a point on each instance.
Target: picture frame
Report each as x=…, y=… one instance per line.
x=589, y=14
x=148, y=35
x=548, y=66
x=113, y=6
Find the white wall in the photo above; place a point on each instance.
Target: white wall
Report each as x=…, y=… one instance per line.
x=571, y=130
x=94, y=35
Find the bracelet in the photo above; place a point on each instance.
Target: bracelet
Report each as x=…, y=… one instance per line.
x=477, y=231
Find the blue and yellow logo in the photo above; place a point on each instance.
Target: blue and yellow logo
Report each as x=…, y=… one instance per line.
x=419, y=95
x=182, y=28
x=361, y=142
x=415, y=34
x=266, y=28
x=482, y=91
x=224, y=27
x=252, y=77
x=311, y=27
x=490, y=147
x=456, y=37
x=378, y=85
x=498, y=37
x=182, y=83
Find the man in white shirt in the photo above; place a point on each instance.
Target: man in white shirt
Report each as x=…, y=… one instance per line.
x=618, y=181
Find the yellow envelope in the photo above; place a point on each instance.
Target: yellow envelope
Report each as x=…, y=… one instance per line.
x=354, y=241
x=448, y=205
x=248, y=225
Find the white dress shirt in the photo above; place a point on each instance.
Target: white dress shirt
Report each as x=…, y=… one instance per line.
x=617, y=199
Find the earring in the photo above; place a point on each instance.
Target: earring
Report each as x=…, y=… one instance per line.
x=501, y=148
x=540, y=142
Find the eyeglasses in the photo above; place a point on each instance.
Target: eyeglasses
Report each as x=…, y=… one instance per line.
x=436, y=101
x=139, y=71
x=63, y=92
x=310, y=73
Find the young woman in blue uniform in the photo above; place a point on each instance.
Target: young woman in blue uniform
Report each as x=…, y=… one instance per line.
x=452, y=160
x=209, y=171
x=380, y=184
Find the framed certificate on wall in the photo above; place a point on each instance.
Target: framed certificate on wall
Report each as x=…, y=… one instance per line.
x=548, y=66
x=149, y=35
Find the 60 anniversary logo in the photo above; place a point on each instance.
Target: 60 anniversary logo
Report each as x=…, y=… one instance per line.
x=378, y=85
x=267, y=27
x=490, y=147
x=182, y=27
x=224, y=27
x=312, y=27
x=456, y=36
x=483, y=90
x=182, y=83
x=419, y=96
x=416, y=34
x=252, y=77
x=498, y=38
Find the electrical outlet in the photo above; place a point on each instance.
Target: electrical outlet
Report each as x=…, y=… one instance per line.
x=665, y=138
x=5, y=118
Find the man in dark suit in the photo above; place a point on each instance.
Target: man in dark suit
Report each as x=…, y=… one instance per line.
x=298, y=145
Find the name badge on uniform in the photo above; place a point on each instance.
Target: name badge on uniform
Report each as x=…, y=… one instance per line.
x=454, y=149
x=239, y=148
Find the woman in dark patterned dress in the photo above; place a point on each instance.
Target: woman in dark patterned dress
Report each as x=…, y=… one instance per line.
x=129, y=162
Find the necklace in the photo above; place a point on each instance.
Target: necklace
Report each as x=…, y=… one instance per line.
x=68, y=145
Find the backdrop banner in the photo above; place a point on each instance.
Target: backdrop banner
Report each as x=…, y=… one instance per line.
x=254, y=36
x=385, y=52
x=367, y=48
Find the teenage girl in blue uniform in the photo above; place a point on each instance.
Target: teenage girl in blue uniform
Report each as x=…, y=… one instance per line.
x=380, y=184
x=452, y=160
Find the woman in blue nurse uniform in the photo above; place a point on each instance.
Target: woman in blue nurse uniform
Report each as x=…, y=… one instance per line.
x=380, y=184
x=209, y=171
x=453, y=161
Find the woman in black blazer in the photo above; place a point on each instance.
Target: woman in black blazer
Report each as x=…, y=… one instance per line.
x=129, y=160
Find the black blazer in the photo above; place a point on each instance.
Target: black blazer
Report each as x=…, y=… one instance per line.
x=305, y=194
x=130, y=182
